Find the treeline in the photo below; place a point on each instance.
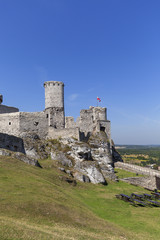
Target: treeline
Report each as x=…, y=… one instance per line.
x=151, y=151
x=144, y=155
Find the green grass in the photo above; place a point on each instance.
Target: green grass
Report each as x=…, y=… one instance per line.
x=125, y=174
x=36, y=204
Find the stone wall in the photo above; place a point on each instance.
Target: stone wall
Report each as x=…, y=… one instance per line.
x=33, y=122
x=9, y=123
x=11, y=143
x=85, y=121
x=69, y=122
x=99, y=113
x=6, y=109
x=150, y=183
x=63, y=133
x=105, y=125
x=89, y=118
x=137, y=169
x=21, y=122
x=55, y=117
x=92, y=120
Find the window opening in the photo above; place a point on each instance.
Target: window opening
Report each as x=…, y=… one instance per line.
x=36, y=123
x=102, y=129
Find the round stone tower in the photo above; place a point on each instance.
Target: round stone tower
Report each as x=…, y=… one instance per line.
x=54, y=104
x=54, y=94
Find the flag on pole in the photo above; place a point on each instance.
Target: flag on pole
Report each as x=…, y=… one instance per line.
x=98, y=99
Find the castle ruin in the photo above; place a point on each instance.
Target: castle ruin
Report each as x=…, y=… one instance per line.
x=52, y=123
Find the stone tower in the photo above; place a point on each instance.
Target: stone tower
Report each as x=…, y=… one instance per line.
x=54, y=104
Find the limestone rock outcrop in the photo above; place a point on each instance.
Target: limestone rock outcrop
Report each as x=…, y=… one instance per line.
x=93, y=160
x=60, y=157
x=102, y=154
x=20, y=156
x=82, y=147
x=90, y=161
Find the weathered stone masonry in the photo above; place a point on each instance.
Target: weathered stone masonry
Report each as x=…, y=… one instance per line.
x=52, y=123
x=137, y=169
x=54, y=104
x=151, y=181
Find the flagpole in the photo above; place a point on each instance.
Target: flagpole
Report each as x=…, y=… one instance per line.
x=98, y=100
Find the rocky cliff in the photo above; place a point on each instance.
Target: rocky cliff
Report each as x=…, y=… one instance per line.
x=91, y=161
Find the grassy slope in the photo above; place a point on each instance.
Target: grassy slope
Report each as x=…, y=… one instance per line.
x=36, y=204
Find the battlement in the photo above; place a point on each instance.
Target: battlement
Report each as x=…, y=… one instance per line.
x=96, y=113
x=52, y=122
x=53, y=83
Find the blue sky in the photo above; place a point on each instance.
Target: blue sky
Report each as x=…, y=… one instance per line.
x=105, y=48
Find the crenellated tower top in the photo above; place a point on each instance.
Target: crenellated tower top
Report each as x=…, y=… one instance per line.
x=53, y=83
